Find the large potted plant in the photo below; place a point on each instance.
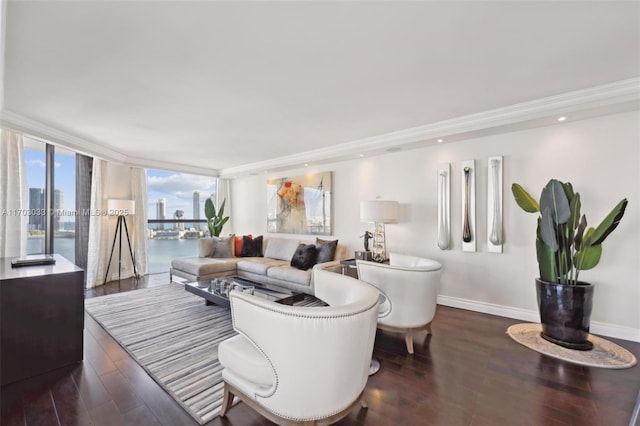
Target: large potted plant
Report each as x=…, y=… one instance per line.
x=215, y=218
x=564, y=247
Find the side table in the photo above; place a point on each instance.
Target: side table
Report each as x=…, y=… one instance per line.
x=41, y=317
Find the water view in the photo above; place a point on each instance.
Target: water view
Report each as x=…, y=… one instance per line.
x=160, y=251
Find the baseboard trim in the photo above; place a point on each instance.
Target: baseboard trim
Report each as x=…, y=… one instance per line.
x=599, y=328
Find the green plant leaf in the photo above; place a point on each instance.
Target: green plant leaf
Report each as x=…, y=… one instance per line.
x=546, y=261
x=221, y=211
x=579, y=233
x=588, y=257
x=574, y=207
x=547, y=230
x=524, y=200
x=209, y=209
x=554, y=198
x=568, y=190
x=609, y=223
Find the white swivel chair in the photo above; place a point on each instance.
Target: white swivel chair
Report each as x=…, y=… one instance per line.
x=301, y=365
x=409, y=289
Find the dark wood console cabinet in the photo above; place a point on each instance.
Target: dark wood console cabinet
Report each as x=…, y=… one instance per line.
x=41, y=318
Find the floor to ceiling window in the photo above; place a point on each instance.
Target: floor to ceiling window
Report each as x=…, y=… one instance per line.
x=63, y=206
x=176, y=215
x=36, y=166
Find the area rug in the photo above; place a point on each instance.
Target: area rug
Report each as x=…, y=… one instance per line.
x=174, y=336
x=604, y=354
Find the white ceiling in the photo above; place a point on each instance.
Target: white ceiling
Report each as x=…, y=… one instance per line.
x=233, y=85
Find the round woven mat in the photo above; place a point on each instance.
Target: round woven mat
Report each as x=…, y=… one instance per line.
x=604, y=354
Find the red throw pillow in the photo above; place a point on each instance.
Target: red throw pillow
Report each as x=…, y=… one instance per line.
x=238, y=244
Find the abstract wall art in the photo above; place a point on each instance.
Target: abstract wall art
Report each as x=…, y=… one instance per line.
x=494, y=205
x=469, y=205
x=300, y=204
x=444, y=205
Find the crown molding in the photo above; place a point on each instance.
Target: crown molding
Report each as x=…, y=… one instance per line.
x=169, y=166
x=21, y=124
x=31, y=127
x=599, y=100
x=598, y=97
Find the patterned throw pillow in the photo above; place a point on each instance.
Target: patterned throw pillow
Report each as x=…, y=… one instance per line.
x=251, y=247
x=326, y=250
x=304, y=257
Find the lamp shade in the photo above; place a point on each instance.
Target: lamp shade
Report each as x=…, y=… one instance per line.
x=381, y=211
x=121, y=207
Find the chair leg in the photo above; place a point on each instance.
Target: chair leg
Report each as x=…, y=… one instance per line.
x=409, y=340
x=227, y=401
x=363, y=401
x=428, y=328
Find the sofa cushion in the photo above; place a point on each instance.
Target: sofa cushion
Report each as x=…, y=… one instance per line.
x=290, y=274
x=258, y=265
x=251, y=247
x=281, y=248
x=240, y=356
x=304, y=257
x=326, y=250
x=201, y=266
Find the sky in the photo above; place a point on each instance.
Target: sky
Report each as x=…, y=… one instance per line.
x=176, y=188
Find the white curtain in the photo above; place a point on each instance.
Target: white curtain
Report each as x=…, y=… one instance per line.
x=223, y=192
x=13, y=196
x=139, y=221
x=98, y=253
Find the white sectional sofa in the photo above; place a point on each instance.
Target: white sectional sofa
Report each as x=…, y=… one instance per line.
x=274, y=268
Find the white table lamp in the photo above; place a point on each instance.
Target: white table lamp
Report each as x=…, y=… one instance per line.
x=379, y=212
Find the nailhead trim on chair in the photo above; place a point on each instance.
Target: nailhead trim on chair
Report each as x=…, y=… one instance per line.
x=275, y=388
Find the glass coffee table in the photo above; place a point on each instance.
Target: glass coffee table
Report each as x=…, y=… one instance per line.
x=216, y=291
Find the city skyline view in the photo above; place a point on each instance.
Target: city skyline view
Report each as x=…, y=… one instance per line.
x=64, y=181
x=177, y=190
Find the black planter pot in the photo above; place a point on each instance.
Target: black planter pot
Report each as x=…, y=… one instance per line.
x=565, y=313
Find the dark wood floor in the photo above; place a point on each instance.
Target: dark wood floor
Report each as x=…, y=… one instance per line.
x=469, y=372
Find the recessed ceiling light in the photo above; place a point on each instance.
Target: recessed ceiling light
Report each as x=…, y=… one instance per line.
x=361, y=155
x=563, y=118
x=440, y=140
x=306, y=164
x=266, y=171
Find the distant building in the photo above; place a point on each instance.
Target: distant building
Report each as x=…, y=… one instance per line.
x=161, y=211
x=196, y=209
x=36, y=207
x=178, y=214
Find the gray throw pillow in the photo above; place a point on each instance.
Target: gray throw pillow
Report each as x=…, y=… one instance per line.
x=326, y=250
x=304, y=257
x=205, y=247
x=222, y=247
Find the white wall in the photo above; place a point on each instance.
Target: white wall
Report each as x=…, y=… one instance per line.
x=600, y=156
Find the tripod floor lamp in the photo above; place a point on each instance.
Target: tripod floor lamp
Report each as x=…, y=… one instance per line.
x=121, y=208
